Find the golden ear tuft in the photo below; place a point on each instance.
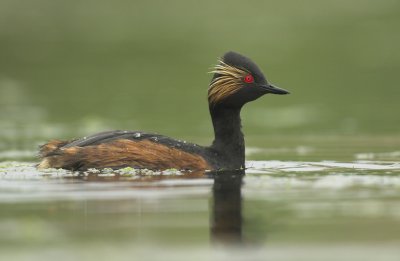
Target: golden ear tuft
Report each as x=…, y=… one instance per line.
x=228, y=82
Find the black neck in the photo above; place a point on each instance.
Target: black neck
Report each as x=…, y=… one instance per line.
x=229, y=140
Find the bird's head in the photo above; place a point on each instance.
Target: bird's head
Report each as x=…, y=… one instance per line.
x=236, y=81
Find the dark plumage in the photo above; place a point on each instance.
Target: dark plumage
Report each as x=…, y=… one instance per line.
x=236, y=81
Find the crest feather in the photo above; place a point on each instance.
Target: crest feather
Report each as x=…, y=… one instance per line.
x=228, y=81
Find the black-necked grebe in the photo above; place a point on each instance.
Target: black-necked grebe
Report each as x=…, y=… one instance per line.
x=236, y=81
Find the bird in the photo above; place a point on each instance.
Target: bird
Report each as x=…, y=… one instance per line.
x=236, y=81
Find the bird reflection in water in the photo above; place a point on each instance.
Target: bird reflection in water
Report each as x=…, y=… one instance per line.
x=226, y=213
x=226, y=206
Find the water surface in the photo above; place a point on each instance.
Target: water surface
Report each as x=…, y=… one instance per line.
x=276, y=207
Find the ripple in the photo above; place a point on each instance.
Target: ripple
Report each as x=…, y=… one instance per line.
x=21, y=181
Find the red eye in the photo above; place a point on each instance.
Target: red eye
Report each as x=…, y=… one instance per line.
x=249, y=78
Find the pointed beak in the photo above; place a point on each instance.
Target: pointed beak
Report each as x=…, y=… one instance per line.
x=273, y=89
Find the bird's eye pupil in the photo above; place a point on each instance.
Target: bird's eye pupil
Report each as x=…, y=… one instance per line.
x=249, y=78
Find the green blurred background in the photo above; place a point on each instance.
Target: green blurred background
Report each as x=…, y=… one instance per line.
x=68, y=68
